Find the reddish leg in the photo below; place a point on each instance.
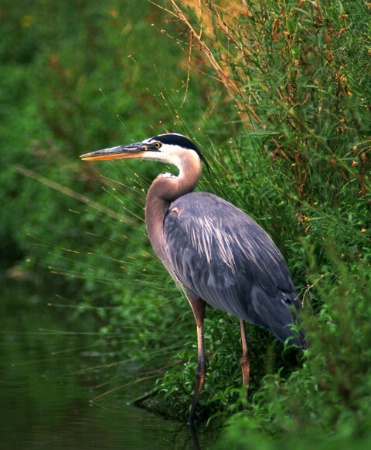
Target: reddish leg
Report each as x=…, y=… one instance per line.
x=198, y=308
x=245, y=358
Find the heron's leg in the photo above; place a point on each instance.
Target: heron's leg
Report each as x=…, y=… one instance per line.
x=198, y=308
x=245, y=358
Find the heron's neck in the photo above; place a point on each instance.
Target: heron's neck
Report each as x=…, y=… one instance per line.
x=164, y=190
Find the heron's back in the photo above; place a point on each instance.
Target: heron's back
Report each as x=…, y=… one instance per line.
x=223, y=256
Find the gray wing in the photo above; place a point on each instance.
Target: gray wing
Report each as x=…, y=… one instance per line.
x=223, y=256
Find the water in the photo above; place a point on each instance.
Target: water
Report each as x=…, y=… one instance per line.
x=50, y=381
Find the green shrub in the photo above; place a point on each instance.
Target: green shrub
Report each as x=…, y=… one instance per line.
x=296, y=79
x=282, y=89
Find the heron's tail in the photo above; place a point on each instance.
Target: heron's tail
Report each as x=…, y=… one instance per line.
x=281, y=315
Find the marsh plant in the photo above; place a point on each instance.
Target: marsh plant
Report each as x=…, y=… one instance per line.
x=277, y=94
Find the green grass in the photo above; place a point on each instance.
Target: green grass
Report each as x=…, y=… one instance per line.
x=287, y=133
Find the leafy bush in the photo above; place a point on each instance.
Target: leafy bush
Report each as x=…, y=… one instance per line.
x=327, y=401
x=298, y=163
x=282, y=88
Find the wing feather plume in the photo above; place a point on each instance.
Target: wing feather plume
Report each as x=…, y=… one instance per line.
x=223, y=256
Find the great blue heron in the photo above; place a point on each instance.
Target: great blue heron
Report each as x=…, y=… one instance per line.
x=214, y=251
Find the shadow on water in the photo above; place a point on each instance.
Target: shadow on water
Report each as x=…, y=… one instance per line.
x=49, y=377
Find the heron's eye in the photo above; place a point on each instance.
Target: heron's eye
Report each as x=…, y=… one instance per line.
x=157, y=144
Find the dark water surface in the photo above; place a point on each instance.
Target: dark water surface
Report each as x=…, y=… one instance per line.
x=50, y=381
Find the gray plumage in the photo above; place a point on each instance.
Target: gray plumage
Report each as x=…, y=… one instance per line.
x=223, y=256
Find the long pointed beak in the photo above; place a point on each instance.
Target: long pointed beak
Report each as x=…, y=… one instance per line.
x=120, y=152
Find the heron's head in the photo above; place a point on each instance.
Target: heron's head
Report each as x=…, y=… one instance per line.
x=170, y=148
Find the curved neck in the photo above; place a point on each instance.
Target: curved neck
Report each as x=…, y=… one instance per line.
x=164, y=190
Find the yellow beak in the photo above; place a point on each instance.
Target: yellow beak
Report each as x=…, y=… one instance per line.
x=121, y=152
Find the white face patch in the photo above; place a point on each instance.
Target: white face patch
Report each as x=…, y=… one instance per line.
x=167, y=175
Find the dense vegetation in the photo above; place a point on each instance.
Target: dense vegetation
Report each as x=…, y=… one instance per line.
x=283, y=92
